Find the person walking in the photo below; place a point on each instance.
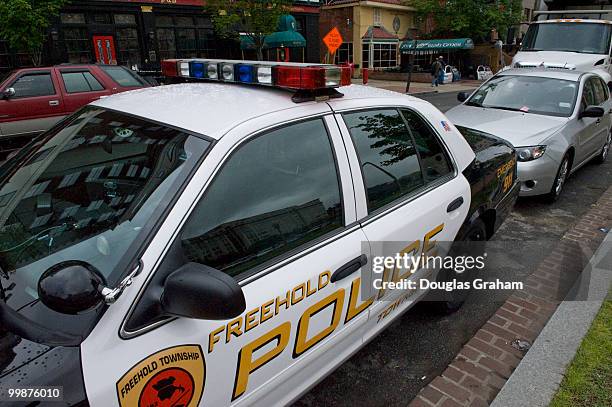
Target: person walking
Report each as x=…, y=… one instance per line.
x=442, y=70
x=436, y=68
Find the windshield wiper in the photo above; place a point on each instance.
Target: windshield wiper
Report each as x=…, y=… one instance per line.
x=469, y=103
x=512, y=109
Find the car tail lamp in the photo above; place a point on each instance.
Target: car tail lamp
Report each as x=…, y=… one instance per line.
x=306, y=77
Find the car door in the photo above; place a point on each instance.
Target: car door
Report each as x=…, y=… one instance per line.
x=279, y=217
x=36, y=105
x=591, y=130
x=416, y=199
x=80, y=87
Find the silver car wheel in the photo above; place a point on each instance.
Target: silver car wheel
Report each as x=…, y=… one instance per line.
x=606, y=147
x=561, y=177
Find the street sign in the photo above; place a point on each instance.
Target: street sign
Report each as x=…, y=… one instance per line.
x=333, y=40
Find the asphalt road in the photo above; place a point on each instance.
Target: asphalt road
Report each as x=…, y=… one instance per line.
x=392, y=368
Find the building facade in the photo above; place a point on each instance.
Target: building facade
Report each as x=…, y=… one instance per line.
x=372, y=31
x=139, y=34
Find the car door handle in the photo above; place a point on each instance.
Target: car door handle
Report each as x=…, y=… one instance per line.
x=54, y=103
x=597, y=121
x=349, y=268
x=456, y=204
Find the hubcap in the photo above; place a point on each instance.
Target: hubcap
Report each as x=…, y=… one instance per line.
x=561, y=177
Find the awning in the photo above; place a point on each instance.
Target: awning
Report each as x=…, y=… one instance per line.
x=437, y=45
x=286, y=36
x=378, y=34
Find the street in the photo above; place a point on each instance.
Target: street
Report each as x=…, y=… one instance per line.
x=416, y=348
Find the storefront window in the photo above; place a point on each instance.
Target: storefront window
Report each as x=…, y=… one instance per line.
x=100, y=18
x=186, y=43
x=385, y=55
x=166, y=43
x=72, y=18
x=127, y=46
x=125, y=19
x=344, y=54
x=77, y=43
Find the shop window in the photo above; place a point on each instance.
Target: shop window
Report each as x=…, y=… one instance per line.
x=186, y=43
x=72, y=18
x=206, y=43
x=204, y=22
x=77, y=43
x=164, y=21
x=127, y=46
x=344, y=54
x=385, y=55
x=100, y=18
x=125, y=19
x=166, y=43
x=365, y=55
x=183, y=21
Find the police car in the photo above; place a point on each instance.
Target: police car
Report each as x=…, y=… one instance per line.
x=205, y=243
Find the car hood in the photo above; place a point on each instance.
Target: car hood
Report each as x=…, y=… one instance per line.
x=520, y=129
x=566, y=60
x=16, y=351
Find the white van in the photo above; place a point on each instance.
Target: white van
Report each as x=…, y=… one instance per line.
x=581, y=44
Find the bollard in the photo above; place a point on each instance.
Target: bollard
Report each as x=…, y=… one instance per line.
x=364, y=72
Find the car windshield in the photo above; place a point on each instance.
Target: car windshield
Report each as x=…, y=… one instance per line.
x=588, y=38
x=91, y=189
x=527, y=94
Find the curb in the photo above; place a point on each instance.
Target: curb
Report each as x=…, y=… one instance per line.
x=487, y=361
x=536, y=379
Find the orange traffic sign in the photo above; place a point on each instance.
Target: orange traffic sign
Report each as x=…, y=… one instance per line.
x=333, y=40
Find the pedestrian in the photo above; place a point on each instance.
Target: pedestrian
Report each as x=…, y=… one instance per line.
x=442, y=70
x=436, y=68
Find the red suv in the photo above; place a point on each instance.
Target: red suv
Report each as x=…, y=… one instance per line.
x=32, y=100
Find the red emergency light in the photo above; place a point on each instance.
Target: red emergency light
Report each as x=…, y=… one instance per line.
x=295, y=76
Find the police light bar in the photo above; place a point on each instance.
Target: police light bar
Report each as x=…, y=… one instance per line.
x=296, y=76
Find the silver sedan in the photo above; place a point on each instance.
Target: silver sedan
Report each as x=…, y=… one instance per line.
x=558, y=120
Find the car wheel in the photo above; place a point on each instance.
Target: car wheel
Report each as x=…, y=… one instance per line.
x=560, y=179
x=471, y=243
x=605, y=150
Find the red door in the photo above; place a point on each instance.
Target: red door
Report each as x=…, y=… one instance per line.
x=105, y=49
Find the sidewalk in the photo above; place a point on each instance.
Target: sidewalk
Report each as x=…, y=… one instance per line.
x=486, y=362
x=420, y=87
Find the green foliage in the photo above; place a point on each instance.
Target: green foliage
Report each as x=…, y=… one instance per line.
x=254, y=18
x=24, y=24
x=469, y=18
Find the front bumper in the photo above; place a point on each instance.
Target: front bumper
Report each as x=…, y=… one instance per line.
x=537, y=176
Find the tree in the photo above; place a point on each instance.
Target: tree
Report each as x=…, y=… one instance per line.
x=469, y=18
x=25, y=22
x=252, y=18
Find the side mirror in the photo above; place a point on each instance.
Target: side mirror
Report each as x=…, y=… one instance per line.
x=71, y=287
x=462, y=96
x=591, y=111
x=202, y=292
x=8, y=93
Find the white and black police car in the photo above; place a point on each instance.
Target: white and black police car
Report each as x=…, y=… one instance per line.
x=204, y=243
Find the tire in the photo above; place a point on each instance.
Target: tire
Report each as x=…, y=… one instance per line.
x=447, y=302
x=560, y=179
x=605, y=150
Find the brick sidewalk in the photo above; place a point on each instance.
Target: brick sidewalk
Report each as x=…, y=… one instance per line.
x=487, y=360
